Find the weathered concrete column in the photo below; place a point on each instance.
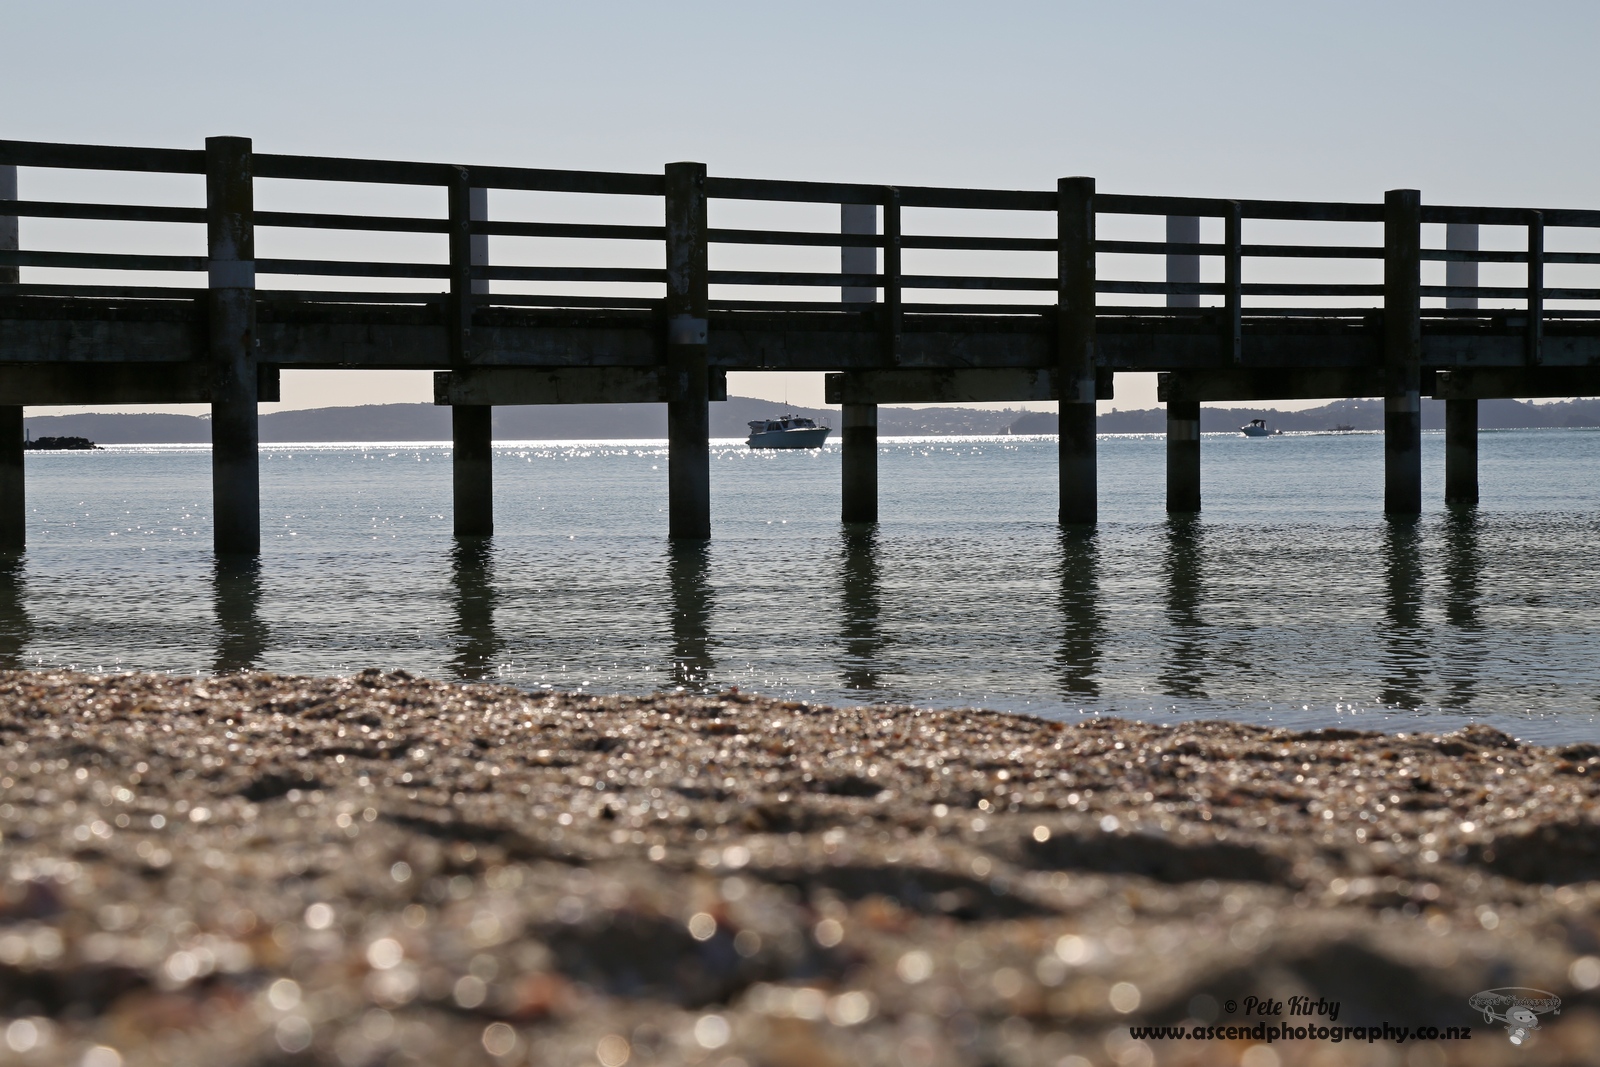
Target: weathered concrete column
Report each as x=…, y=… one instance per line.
x=859, y=460
x=471, y=427
x=1402, y=351
x=1183, y=418
x=1461, y=416
x=689, y=413
x=1075, y=350
x=230, y=232
x=1183, y=456
x=13, y=495
x=1461, y=452
x=858, y=435
x=472, y=469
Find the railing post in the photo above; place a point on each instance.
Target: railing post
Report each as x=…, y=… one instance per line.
x=1402, y=351
x=13, y=486
x=471, y=426
x=688, y=413
x=1076, y=349
x=1461, y=416
x=231, y=302
x=1233, y=283
x=858, y=434
x=893, y=306
x=1183, y=417
x=1535, y=341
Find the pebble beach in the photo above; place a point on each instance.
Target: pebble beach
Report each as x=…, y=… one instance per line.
x=387, y=870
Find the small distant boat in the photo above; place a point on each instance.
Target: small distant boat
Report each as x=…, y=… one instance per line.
x=1258, y=428
x=1342, y=428
x=787, y=431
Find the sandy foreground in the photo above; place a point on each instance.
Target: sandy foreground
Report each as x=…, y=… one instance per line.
x=264, y=869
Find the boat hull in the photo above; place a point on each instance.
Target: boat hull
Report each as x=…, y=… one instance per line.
x=811, y=437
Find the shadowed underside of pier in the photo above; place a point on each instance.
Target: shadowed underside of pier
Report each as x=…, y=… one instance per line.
x=668, y=323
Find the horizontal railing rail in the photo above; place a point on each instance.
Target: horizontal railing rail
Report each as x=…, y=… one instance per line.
x=101, y=157
x=463, y=272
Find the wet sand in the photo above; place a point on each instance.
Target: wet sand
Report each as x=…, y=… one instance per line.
x=265, y=869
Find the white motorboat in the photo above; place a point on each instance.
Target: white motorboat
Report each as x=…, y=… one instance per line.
x=1258, y=428
x=787, y=431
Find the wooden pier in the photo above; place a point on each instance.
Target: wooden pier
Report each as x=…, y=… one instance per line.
x=668, y=334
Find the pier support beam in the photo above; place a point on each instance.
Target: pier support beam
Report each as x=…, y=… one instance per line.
x=858, y=436
x=1183, y=456
x=13, y=495
x=1183, y=418
x=1402, y=352
x=1461, y=415
x=1076, y=350
x=471, y=426
x=13, y=486
x=689, y=414
x=472, y=469
x=235, y=437
x=858, y=458
x=1461, y=452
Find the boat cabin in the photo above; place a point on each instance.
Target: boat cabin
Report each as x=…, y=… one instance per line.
x=787, y=422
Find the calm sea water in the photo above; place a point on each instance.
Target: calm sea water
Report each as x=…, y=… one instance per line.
x=1291, y=600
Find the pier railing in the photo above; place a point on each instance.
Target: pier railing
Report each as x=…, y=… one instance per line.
x=467, y=273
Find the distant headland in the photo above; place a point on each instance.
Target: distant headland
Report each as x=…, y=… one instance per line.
x=426, y=422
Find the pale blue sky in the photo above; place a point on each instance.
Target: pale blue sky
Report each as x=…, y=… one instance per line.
x=1471, y=102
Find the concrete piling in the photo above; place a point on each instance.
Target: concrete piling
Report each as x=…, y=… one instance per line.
x=230, y=231
x=472, y=469
x=1461, y=416
x=13, y=495
x=1461, y=452
x=858, y=435
x=1183, y=418
x=859, y=461
x=471, y=426
x=1075, y=339
x=1402, y=352
x=689, y=412
x=1183, y=457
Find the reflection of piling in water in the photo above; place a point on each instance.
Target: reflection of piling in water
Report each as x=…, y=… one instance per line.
x=859, y=595
x=689, y=580
x=1183, y=674
x=1463, y=567
x=242, y=636
x=1082, y=629
x=472, y=582
x=15, y=626
x=1402, y=637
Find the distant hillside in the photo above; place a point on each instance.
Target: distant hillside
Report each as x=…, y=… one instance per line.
x=425, y=422
x=1357, y=414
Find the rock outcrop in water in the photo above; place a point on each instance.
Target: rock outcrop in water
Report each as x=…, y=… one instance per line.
x=384, y=870
x=59, y=444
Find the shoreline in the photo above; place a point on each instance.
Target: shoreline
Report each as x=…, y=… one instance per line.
x=385, y=869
